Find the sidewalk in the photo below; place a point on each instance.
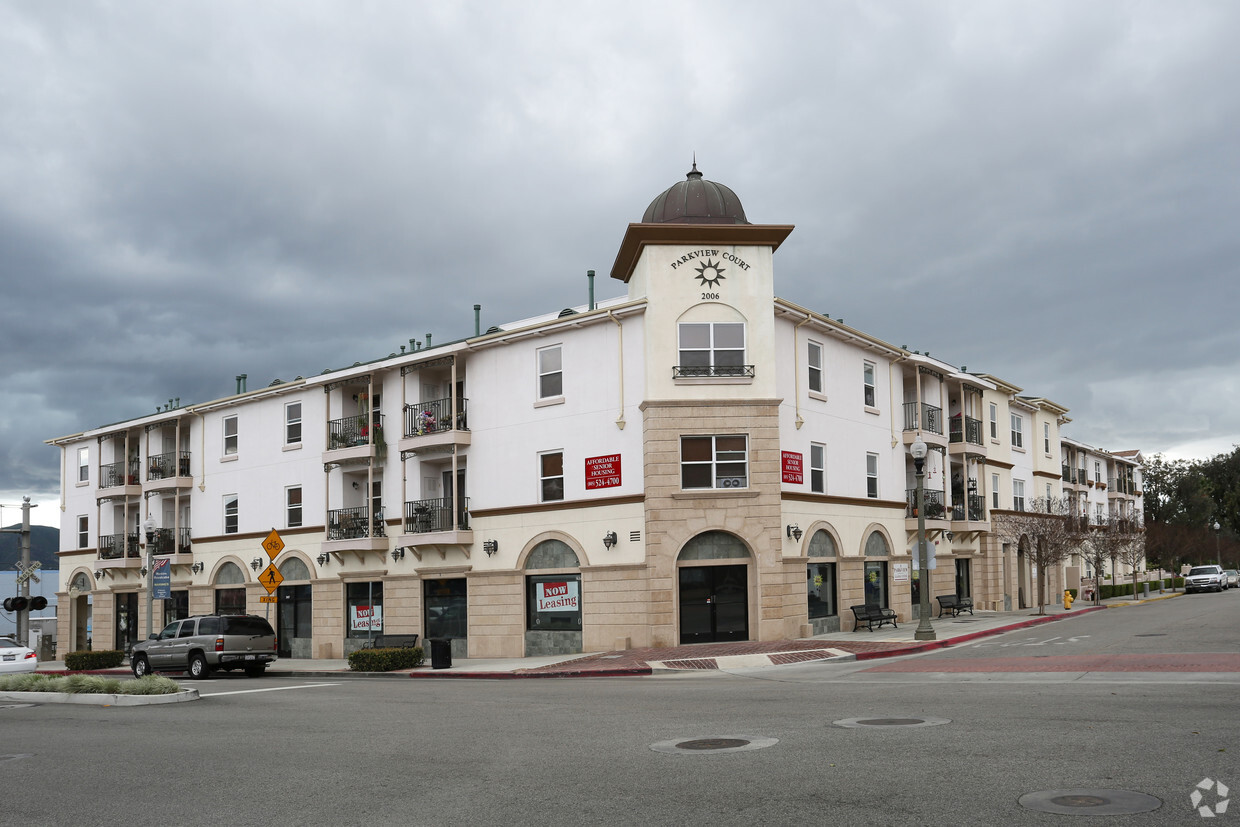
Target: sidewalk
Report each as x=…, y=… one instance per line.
x=837, y=646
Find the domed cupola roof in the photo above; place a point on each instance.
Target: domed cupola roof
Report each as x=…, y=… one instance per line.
x=695, y=201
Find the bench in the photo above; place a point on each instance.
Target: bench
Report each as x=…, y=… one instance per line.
x=391, y=642
x=873, y=616
x=954, y=604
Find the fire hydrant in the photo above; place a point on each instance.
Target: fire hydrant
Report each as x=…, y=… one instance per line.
x=1067, y=599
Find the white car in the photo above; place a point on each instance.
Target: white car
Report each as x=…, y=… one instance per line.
x=14, y=658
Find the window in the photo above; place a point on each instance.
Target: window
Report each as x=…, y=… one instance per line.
x=551, y=476
x=1097, y=472
x=292, y=506
x=550, y=372
x=818, y=468
x=1050, y=502
x=292, y=423
x=83, y=531
x=376, y=508
x=820, y=585
x=230, y=436
x=553, y=602
x=1018, y=495
x=83, y=465
x=868, y=378
x=365, y=608
x=1018, y=437
x=814, y=360
x=994, y=421
x=1046, y=437
x=871, y=476
x=446, y=608
x=230, y=514
x=712, y=349
x=714, y=462
x=994, y=490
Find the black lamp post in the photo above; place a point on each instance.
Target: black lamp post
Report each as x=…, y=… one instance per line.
x=924, y=630
x=149, y=528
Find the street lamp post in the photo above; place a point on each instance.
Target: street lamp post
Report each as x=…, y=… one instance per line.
x=1217, y=557
x=925, y=631
x=149, y=528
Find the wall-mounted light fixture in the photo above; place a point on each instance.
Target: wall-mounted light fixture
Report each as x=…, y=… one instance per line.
x=355, y=485
x=490, y=547
x=144, y=571
x=322, y=558
x=256, y=563
x=197, y=567
x=794, y=531
x=948, y=535
x=609, y=539
x=398, y=553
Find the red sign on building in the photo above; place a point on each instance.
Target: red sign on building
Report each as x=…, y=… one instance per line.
x=603, y=472
x=792, y=468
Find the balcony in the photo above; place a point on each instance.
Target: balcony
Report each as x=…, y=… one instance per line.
x=935, y=509
x=966, y=430
x=171, y=541
x=112, y=547
x=429, y=426
x=430, y=522
x=931, y=419
x=354, y=530
x=972, y=511
x=121, y=475
x=353, y=438
x=712, y=372
x=168, y=471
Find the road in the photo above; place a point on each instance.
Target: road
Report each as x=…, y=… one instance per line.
x=958, y=735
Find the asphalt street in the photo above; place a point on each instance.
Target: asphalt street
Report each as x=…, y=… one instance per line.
x=975, y=734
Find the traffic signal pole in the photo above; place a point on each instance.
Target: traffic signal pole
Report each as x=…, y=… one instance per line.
x=23, y=613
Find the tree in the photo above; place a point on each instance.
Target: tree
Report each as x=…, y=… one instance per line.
x=1046, y=533
x=1131, y=551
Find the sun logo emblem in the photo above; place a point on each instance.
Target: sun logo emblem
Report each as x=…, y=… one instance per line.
x=710, y=274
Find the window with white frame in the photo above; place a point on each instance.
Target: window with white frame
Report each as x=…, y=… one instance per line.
x=83, y=531
x=817, y=468
x=871, y=476
x=1050, y=503
x=230, y=513
x=712, y=349
x=230, y=436
x=83, y=465
x=551, y=476
x=550, y=372
x=376, y=505
x=1018, y=495
x=994, y=421
x=867, y=373
x=814, y=360
x=292, y=423
x=292, y=506
x=1018, y=432
x=1046, y=437
x=1097, y=472
x=994, y=490
x=714, y=462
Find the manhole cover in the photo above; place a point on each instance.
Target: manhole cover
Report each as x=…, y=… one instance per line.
x=857, y=723
x=713, y=746
x=1090, y=802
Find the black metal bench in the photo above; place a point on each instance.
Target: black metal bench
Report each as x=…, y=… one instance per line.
x=873, y=617
x=392, y=642
x=954, y=604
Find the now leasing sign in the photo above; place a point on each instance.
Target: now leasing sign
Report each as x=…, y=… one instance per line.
x=362, y=618
x=559, y=597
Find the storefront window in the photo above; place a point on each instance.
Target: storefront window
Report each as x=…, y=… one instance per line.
x=230, y=601
x=364, y=608
x=176, y=607
x=553, y=602
x=820, y=582
x=876, y=583
x=445, y=602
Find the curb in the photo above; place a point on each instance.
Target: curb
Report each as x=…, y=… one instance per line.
x=930, y=646
x=98, y=699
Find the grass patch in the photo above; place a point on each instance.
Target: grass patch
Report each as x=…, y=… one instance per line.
x=89, y=684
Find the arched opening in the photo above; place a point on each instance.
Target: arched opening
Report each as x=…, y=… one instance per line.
x=552, y=600
x=81, y=609
x=713, y=576
x=230, y=590
x=877, y=592
x=822, y=584
x=294, y=610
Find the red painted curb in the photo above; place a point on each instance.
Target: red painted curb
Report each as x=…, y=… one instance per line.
x=929, y=646
x=636, y=671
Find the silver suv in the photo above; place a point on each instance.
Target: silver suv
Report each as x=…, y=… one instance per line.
x=204, y=642
x=1205, y=578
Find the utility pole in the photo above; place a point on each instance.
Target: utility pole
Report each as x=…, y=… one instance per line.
x=23, y=613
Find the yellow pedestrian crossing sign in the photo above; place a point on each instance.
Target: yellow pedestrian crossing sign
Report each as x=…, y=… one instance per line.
x=271, y=578
x=273, y=545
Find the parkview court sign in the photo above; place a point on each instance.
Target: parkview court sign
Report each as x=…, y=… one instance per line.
x=559, y=597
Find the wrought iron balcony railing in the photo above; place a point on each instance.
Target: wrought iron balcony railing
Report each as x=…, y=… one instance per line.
x=714, y=371
x=353, y=431
x=975, y=510
x=969, y=430
x=168, y=466
x=171, y=541
x=114, y=474
x=435, y=416
x=354, y=524
x=423, y=516
x=935, y=510
x=931, y=418
x=112, y=546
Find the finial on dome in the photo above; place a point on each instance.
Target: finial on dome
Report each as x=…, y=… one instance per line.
x=693, y=173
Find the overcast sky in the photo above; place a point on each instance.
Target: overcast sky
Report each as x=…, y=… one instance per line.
x=189, y=191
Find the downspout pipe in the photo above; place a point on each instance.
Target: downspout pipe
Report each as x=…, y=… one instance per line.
x=620, y=353
x=796, y=372
x=590, y=279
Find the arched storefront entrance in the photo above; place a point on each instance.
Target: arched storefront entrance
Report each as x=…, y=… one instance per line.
x=821, y=584
x=877, y=591
x=293, y=610
x=713, y=577
x=80, y=609
x=552, y=600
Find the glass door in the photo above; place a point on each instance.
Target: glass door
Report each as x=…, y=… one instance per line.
x=714, y=604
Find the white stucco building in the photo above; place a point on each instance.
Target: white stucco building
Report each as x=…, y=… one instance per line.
x=695, y=461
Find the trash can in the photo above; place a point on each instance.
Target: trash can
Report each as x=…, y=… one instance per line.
x=441, y=653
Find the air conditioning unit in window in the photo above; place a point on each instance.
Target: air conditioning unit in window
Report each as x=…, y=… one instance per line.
x=731, y=482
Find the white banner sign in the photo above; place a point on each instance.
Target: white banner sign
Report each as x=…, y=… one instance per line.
x=362, y=618
x=559, y=597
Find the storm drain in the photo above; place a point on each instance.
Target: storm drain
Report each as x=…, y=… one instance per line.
x=709, y=746
x=1090, y=802
x=857, y=723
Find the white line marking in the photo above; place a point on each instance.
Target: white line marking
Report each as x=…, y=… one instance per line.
x=268, y=689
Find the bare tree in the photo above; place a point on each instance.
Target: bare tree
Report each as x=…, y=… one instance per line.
x=1131, y=551
x=1046, y=532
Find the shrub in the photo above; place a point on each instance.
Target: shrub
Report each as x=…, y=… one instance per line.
x=88, y=684
x=385, y=660
x=103, y=659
